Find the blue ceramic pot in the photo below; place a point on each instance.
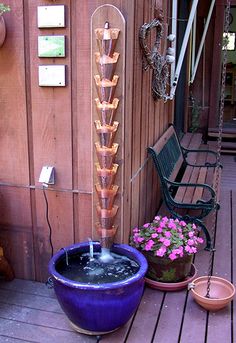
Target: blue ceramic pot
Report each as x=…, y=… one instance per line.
x=98, y=309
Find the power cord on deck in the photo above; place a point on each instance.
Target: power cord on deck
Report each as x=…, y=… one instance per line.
x=48, y=221
x=49, y=282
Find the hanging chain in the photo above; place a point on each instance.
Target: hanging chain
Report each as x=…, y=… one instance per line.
x=219, y=144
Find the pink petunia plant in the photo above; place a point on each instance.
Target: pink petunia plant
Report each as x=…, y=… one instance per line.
x=167, y=237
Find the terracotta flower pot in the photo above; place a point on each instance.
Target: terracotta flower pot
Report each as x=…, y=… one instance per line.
x=2, y=30
x=164, y=270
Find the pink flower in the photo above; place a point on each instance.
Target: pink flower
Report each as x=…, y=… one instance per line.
x=172, y=256
x=159, y=229
x=188, y=248
x=190, y=242
x=140, y=239
x=200, y=240
x=146, y=225
x=149, y=245
x=154, y=235
x=178, y=251
x=182, y=223
x=166, y=242
x=157, y=218
x=191, y=234
x=172, y=225
x=161, y=252
x=168, y=234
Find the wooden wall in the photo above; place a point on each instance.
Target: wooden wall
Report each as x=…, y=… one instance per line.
x=52, y=126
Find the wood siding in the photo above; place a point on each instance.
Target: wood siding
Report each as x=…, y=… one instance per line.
x=52, y=126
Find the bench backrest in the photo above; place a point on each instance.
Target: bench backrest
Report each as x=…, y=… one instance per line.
x=167, y=155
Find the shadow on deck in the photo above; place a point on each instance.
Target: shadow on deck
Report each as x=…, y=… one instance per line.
x=29, y=311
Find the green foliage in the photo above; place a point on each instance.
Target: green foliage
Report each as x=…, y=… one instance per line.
x=4, y=8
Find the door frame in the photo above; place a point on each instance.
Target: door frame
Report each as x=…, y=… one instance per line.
x=216, y=63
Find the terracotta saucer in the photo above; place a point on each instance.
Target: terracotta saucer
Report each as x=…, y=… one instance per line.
x=173, y=286
x=221, y=292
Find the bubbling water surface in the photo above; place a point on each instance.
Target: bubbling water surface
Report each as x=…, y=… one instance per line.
x=84, y=269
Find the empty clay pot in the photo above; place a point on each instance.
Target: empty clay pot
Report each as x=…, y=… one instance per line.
x=106, y=133
x=221, y=292
x=106, y=197
x=106, y=155
x=106, y=111
x=106, y=176
x=106, y=65
x=106, y=88
x=106, y=40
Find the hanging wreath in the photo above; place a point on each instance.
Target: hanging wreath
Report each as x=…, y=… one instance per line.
x=153, y=59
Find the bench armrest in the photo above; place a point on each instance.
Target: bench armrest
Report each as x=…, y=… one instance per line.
x=206, y=151
x=199, y=185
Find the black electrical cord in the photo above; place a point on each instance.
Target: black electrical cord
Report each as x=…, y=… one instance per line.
x=48, y=221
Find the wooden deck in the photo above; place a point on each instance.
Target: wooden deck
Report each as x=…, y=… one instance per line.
x=29, y=311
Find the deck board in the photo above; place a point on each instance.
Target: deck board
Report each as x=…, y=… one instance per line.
x=171, y=313
x=29, y=311
x=39, y=333
x=146, y=318
x=29, y=300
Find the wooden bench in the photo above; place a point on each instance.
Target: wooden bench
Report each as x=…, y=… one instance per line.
x=188, y=178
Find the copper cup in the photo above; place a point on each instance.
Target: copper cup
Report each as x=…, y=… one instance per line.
x=106, y=217
x=106, y=133
x=106, y=235
x=106, y=155
x=106, y=232
x=106, y=176
x=106, y=40
x=106, y=65
x=106, y=197
x=106, y=88
x=106, y=111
